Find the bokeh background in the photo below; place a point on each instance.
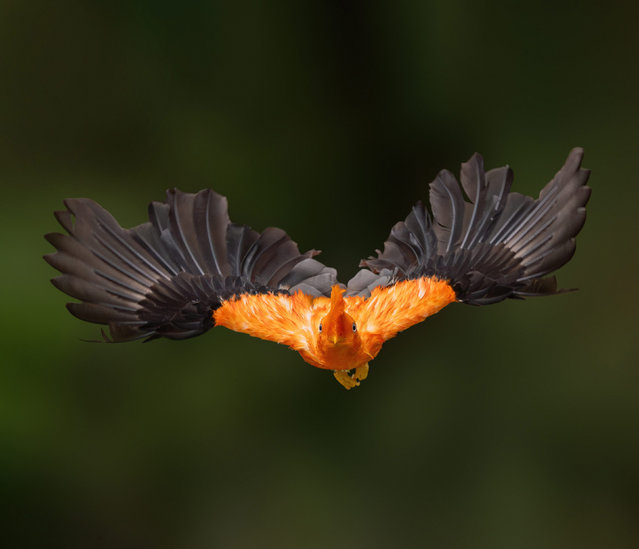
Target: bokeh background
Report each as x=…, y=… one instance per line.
x=513, y=426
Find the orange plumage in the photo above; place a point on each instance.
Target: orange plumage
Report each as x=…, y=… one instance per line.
x=189, y=268
x=336, y=333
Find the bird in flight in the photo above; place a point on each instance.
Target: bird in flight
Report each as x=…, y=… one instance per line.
x=189, y=268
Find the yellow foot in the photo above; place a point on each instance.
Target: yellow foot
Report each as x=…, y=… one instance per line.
x=361, y=372
x=350, y=380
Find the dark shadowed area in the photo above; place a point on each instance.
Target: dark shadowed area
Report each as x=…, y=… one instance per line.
x=512, y=425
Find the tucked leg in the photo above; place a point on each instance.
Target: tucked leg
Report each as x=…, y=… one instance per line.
x=351, y=378
x=361, y=372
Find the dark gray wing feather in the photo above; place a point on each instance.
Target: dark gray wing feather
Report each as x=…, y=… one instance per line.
x=493, y=245
x=164, y=278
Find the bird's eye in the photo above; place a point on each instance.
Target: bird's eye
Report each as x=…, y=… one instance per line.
x=320, y=328
x=354, y=327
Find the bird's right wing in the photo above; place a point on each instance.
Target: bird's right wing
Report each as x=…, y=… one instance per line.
x=166, y=277
x=491, y=246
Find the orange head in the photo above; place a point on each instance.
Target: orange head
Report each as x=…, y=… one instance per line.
x=338, y=341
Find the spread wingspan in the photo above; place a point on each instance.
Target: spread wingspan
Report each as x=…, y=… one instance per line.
x=189, y=268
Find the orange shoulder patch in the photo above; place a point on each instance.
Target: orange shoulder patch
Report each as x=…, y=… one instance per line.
x=287, y=319
x=392, y=309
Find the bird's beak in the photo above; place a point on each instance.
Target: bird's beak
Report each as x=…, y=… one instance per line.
x=335, y=339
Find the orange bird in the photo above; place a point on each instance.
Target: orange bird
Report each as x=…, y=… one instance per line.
x=189, y=268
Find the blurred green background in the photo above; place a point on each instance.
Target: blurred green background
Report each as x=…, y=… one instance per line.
x=513, y=426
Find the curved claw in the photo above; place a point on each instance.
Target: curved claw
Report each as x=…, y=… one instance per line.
x=351, y=378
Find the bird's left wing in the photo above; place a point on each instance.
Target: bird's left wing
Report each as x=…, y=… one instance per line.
x=168, y=277
x=492, y=245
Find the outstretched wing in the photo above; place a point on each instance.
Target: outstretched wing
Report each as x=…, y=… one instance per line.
x=166, y=277
x=494, y=245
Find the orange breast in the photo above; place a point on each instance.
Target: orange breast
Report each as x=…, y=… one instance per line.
x=293, y=320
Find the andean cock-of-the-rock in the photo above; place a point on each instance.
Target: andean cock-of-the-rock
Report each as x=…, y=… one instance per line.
x=189, y=269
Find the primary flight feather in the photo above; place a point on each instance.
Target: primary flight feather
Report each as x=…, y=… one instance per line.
x=189, y=268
